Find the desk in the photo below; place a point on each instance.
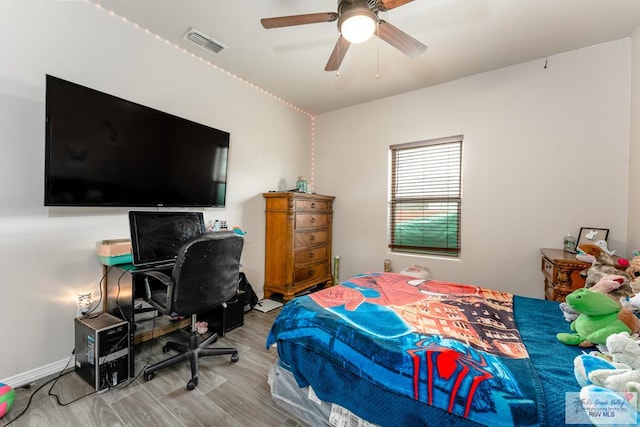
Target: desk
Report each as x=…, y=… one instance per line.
x=121, y=282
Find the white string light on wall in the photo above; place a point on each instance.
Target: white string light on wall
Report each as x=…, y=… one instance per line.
x=312, y=165
x=230, y=74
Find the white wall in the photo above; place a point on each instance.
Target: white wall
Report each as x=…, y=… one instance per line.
x=48, y=254
x=545, y=152
x=633, y=242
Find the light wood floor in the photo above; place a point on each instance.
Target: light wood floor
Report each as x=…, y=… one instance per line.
x=228, y=394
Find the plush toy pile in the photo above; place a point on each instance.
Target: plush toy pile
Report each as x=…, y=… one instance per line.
x=619, y=279
x=606, y=313
x=603, y=265
x=615, y=373
x=606, y=286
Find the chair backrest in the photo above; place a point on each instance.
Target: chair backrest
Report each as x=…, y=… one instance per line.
x=206, y=272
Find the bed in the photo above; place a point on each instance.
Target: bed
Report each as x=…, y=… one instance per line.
x=397, y=350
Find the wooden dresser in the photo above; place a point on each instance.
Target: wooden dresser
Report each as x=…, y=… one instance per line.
x=561, y=273
x=297, y=242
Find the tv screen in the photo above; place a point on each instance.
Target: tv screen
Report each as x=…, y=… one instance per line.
x=156, y=237
x=101, y=150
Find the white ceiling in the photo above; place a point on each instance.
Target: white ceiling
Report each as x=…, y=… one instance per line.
x=464, y=37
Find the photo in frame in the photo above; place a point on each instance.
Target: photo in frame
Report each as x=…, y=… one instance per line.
x=590, y=235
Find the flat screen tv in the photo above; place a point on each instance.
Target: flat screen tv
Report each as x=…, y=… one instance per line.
x=101, y=150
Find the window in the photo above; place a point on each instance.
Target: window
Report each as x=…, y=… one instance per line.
x=424, y=207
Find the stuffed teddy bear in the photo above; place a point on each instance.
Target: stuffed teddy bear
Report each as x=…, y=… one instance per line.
x=597, y=320
x=633, y=270
x=603, y=266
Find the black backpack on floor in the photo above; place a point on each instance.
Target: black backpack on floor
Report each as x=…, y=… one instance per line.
x=250, y=297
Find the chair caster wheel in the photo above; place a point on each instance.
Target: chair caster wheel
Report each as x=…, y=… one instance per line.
x=192, y=384
x=149, y=376
x=235, y=357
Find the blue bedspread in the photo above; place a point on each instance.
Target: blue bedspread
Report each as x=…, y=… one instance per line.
x=392, y=349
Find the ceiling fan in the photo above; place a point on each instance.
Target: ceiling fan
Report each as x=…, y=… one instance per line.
x=357, y=21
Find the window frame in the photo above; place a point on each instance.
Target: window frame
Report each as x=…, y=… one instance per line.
x=445, y=220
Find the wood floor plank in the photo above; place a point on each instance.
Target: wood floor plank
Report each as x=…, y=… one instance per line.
x=143, y=409
x=244, y=404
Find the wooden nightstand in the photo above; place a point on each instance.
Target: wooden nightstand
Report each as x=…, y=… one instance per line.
x=561, y=273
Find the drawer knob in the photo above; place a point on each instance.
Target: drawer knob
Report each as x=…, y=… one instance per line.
x=313, y=205
x=312, y=238
x=313, y=220
x=311, y=254
x=311, y=272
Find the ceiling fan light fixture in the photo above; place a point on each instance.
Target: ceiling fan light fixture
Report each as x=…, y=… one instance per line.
x=358, y=24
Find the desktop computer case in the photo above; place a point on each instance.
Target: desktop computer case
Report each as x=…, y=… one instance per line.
x=102, y=350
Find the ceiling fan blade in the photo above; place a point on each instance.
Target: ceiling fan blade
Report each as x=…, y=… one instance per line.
x=288, y=21
x=399, y=39
x=339, y=51
x=384, y=5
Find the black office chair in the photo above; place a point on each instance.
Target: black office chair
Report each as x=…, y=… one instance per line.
x=204, y=276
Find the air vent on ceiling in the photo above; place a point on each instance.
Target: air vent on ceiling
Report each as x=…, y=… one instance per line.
x=203, y=40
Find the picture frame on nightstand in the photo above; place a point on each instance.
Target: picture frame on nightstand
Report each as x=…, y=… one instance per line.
x=590, y=235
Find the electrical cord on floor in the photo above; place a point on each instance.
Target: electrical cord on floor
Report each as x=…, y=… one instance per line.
x=52, y=380
x=50, y=393
x=28, y=403
x=62, y=372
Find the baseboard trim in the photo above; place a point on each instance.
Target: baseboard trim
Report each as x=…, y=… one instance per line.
x=33, y=375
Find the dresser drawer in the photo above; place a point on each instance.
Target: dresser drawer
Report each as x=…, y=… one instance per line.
x=562, y=273
x=310, y=255
x=548, y=269
x=311, y=220
x=310, y=205
x=314, y=271
x=305, y=239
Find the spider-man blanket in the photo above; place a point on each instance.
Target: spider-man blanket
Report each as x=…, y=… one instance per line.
x=452, y=346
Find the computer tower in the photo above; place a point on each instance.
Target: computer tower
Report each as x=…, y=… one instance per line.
x=102, y=350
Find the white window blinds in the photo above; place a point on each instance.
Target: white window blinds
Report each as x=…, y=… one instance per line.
x=425, y=197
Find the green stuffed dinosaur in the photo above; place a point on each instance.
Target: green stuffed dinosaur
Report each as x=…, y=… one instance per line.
x=597, y=320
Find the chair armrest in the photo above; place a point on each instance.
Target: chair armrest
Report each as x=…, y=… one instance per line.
x=162, y=304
